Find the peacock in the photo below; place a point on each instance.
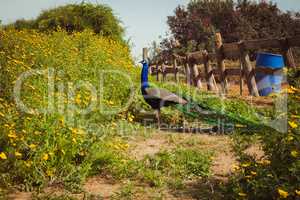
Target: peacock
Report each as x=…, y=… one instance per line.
x=158, y=98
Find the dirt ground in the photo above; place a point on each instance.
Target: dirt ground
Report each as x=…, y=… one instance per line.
x=223, y=162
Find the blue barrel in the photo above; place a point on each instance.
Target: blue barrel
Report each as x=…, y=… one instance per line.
x=267, y=83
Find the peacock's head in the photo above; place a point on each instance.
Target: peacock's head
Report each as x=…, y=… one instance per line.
x=143, y=62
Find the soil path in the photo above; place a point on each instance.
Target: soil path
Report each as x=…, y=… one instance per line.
x=223, y=161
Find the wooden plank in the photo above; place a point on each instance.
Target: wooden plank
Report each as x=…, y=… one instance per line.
x=231, y=51
x=212, y=56
x=233, y=72
x=195, y=57
x=294, y=41
x=262, y=44
x=169, y=70
x=268, y=71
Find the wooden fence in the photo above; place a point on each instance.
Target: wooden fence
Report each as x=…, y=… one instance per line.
x=231, y=51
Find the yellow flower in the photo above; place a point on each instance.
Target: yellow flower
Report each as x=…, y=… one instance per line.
x=18, y=154
x=3, y=156
x=49, y=173
x=282, y=193
x=291, y=91
x=293, y=125
x=270, y=175
x=111, y=103
x=242, y=194
x=253, y=173
x=240, y=126
x=293, y=88
x=32, y=146
x=297, y=192
x=62, y=121
x=245, y=165
x=290, y=138
x=295, y=153
x=1, y=114
x=28, y=163
x=295, y=116
x=266, y=162
x=130, y=119
x=45, y=157
x=12, y=135
x=235, y=167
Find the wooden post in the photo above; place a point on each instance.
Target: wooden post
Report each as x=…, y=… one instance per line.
x=196, y=76
x=208, y=72
x=145, y=54
x=164, y=73
x=248, y=70
x=175, y=69
x=188, y=73
x=287, y=54
x=221, y=64
x=241, y=79
x=289, y=58
x=157, y=72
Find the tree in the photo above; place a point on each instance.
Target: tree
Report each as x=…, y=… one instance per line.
x=195, y=25
x=76, y=17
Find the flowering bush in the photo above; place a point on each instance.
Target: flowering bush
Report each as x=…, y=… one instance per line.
x=277, y=174
x=50, y=140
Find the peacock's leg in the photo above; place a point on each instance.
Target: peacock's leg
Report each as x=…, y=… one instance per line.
x=158, y=118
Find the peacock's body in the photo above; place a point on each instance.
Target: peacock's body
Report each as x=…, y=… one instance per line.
x=158, y=98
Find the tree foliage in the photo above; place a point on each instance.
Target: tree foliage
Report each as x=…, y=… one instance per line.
x=194, y=26
x=74, y=18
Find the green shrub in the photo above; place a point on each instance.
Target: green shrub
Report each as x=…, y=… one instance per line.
x=76, y=18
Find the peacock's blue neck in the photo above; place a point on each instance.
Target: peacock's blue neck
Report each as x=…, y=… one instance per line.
x=144, y=76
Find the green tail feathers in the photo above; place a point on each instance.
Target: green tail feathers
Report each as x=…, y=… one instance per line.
x=215, y=117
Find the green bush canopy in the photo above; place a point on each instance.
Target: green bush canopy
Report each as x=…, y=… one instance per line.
x=76, y=17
